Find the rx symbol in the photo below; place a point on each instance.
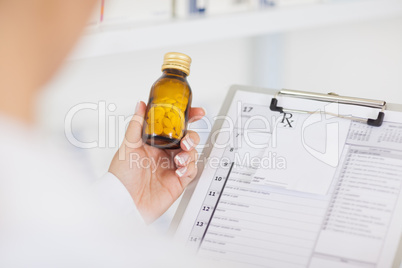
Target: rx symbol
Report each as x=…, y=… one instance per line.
x=286, y=120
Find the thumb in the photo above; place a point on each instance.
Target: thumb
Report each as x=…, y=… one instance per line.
x=133, y=137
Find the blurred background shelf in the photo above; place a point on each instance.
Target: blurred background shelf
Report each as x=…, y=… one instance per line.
x=112, y=39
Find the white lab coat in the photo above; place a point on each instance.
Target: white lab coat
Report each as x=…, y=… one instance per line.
x=51, y=215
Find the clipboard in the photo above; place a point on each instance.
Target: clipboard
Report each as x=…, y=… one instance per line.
x=332, y=97
x=274, y=106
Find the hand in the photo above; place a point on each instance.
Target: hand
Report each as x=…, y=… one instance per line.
x=154, y=177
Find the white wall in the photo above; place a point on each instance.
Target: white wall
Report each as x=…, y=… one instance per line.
x=361, y=59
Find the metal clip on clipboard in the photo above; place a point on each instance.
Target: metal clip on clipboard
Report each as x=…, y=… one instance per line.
x=331, y=97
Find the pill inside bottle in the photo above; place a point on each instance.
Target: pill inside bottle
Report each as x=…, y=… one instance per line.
x=166, y=117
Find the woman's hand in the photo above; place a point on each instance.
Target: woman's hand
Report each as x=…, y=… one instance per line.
x=154, y=177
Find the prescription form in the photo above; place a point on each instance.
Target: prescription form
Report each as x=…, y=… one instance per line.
x=298, y=190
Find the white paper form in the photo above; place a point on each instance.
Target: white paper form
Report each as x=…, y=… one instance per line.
x=282, y=219
x=319, y=144
x=365, y=197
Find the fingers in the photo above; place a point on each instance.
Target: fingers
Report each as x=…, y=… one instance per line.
x=196, y=114
x=190, y=141
x=134, y=130
x=187, y=173
x=189, y=153
x=184, y=158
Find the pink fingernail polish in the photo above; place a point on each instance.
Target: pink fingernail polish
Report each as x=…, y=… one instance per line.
x=181, y=171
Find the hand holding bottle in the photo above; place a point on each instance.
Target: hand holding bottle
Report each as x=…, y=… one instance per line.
x=156, y=187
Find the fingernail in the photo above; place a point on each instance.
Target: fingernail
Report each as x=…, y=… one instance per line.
x=188, y=143
x=137, y=107
x=181, y=159
x=181, y=171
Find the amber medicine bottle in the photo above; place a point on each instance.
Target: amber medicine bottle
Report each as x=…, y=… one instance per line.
x=169, y=102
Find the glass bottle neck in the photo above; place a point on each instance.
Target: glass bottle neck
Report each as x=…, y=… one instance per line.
x=175, y=72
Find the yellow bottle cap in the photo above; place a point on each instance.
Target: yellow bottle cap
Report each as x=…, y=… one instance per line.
x=179, y=61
